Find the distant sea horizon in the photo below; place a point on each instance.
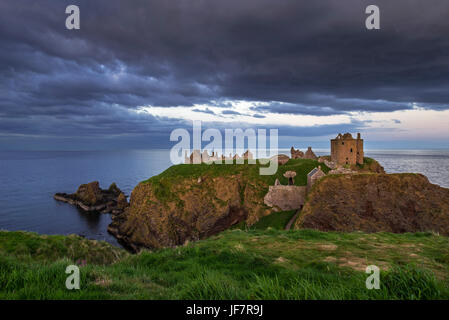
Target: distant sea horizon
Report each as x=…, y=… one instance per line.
x=28, y=180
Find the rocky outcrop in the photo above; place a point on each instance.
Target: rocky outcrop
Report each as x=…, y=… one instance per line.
x=376, y=202
x=169, y=213
x=369, y=165
x=90, y=197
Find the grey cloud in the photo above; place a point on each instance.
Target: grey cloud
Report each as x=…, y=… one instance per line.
x=207, y=110
x=297, y=57
x=230, y=112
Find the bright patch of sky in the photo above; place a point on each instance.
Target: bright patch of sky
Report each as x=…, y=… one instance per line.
x=417, y=123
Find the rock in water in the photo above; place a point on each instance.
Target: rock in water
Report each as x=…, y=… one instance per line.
x=90, y=194
x=90, y=197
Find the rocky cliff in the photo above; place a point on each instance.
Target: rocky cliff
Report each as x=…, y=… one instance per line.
x=376, y=202
x=191, y=202
x=187, y=209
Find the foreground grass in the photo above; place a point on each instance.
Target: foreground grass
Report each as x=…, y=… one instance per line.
x=275, y=220
x=236, y=264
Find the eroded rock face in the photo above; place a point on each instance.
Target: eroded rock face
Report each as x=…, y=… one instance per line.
x=189, y=212
x=376, y=202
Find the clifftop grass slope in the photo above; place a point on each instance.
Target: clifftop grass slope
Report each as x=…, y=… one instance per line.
x=256, y=264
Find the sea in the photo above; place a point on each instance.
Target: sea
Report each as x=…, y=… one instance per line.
x=29, y=179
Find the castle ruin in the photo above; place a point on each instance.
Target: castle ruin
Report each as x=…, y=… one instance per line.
x=298, y=154
x=345, y=150
x=197, y=157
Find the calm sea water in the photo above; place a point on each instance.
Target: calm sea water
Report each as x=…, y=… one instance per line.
x=28, y=180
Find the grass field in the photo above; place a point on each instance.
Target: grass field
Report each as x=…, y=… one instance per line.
x=236, y=264
x=276, y=220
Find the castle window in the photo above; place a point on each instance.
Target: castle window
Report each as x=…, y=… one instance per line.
x=342, y=143
x=351, y=149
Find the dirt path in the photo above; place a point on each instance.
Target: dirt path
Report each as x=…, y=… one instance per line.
x=293, y=219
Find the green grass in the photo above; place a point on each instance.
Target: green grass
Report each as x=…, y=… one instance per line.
x=275, y=220
x=236, y=264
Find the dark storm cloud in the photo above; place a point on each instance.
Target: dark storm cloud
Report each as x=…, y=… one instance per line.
x=299, y=57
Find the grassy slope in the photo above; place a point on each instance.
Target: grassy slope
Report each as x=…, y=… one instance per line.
x=236, y=264
x=276, y=220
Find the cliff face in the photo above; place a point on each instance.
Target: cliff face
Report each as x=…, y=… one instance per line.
x=376, y=202
x=187, y=209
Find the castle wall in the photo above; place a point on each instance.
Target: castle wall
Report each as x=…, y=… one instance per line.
x=360, y=152
x=285, y=197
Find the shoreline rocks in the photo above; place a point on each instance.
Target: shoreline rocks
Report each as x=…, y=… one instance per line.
x=91, y=198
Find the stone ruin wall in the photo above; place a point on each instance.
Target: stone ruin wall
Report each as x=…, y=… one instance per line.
x=285, y=197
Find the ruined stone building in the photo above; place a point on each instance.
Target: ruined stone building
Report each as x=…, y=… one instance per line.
x=310, y=154
x=197, y=157
x=314, y=176
x=248, y=155
x=347, y=150
x=298, y=154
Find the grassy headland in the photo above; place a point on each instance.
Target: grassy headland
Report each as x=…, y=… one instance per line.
x=164, y=181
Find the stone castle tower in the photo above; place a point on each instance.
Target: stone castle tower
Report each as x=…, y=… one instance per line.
x=347, y=150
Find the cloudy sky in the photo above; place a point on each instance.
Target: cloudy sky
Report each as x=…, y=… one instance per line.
x=138, y=69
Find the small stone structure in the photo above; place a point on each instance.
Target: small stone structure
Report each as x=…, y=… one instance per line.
x=290, y=175
x=345, y=150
